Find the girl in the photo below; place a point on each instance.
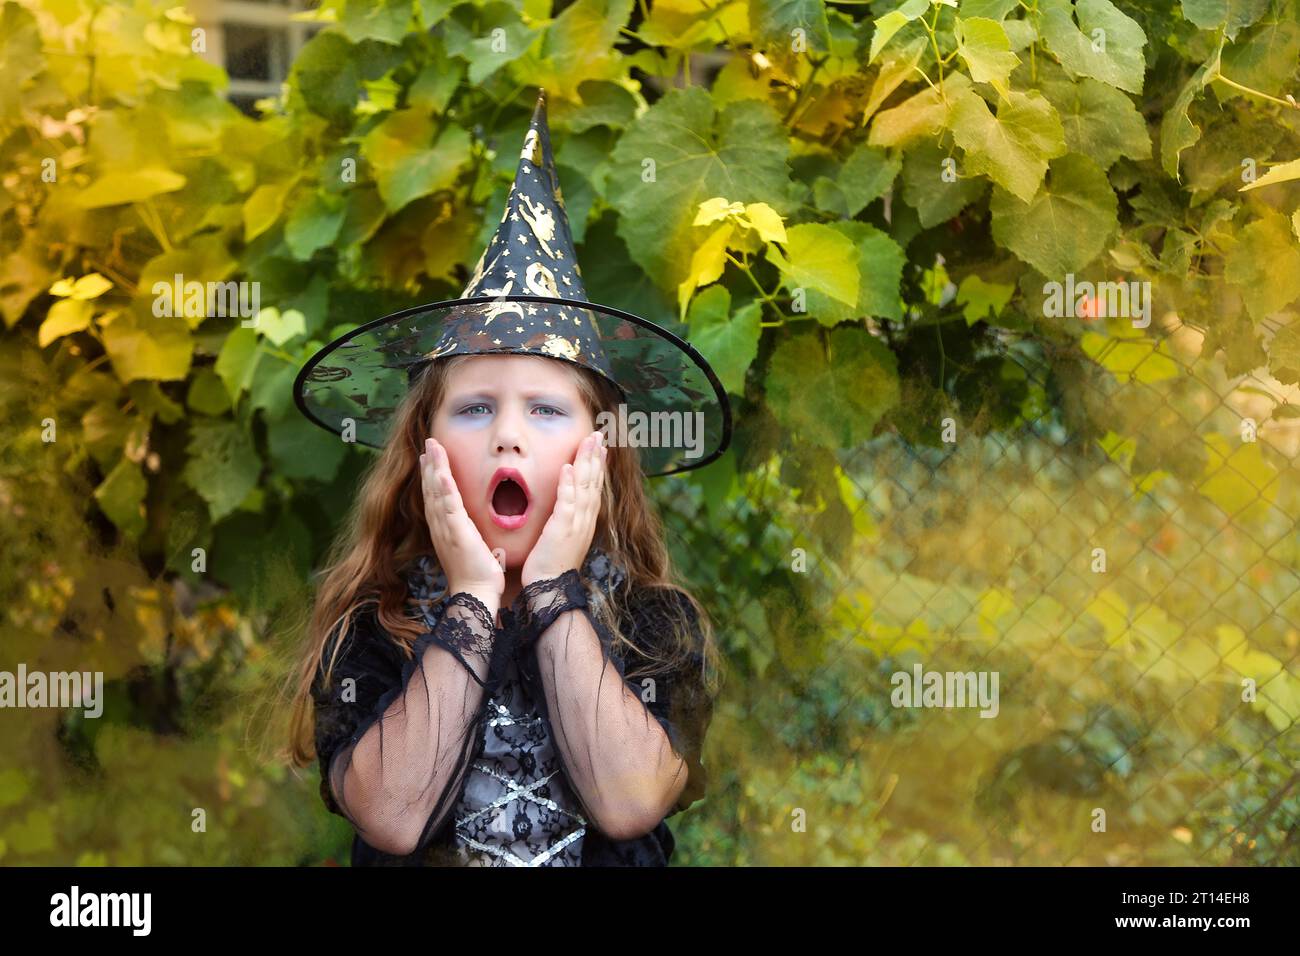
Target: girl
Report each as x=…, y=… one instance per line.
x=500, y=667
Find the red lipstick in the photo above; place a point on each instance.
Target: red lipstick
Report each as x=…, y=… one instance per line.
x=509, y=500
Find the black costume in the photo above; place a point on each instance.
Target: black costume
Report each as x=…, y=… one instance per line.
x=498, y=792
x=500, y=785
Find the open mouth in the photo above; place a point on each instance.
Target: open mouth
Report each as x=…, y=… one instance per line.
x=509, y=500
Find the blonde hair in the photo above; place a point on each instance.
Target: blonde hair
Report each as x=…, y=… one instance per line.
x=385, y=529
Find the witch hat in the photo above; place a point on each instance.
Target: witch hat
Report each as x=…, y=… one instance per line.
x=526, y=297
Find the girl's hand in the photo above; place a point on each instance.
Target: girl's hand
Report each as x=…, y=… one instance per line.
x=462, y=552
x=566, y=538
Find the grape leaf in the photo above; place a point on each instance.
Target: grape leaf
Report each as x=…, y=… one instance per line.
x=982, y=300
x=487, y=36
x=922, y=115
x=880, y=263
x=223, y=466
x=682, y=152
x=925, y=189
x=65, y=317
x=984, y=48
x=1284, y=354
x=865, y=175
x=1066, y=225
x=1105, y=45
x=817, y=258
x=729, y=342
x=136, y=185
x=384, y=20
x=1266, y=59
x=834, y=395
x=313, y=224
x=121, y=496
x=1231, y=15
x=326, y=76
x=300, y=449
x=142, y=345
x=1099, y=120
x=407, y=163
x=1282, y=173
x=1012, y=148
x=1177, y=131
x=1265, y=265
x=774, y=22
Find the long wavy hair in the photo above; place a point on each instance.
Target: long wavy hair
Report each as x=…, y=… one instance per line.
x=385, y=530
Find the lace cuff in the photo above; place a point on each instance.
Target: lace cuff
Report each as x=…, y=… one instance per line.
x=540, y=603
x=466, y=632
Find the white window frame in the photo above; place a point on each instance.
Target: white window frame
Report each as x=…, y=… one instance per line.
x=273, y=15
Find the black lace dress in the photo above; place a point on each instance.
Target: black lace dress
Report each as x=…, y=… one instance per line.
x=462, y=737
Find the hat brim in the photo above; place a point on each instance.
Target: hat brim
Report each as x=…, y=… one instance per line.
x=364, y=375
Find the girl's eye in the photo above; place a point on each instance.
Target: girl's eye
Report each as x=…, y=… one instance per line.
x=548, y=411
x=469, y=409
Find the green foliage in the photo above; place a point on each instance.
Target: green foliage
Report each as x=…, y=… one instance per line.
x=855, y=221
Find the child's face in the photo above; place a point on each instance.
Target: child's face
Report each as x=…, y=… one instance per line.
x=520, y=412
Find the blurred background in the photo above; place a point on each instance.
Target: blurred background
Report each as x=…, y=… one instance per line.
x=938, y=460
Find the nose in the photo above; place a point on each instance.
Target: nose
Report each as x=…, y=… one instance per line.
x=509, y=432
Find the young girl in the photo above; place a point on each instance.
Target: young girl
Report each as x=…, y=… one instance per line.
x=500, y=666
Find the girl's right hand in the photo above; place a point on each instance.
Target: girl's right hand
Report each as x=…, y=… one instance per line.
x=462, y=552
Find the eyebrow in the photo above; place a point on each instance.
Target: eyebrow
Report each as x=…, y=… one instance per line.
x=491, y=395
x=458, y=397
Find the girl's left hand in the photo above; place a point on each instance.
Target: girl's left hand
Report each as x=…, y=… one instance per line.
x=566, y=538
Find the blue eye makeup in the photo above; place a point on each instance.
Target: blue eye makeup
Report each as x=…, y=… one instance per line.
x=467, y=409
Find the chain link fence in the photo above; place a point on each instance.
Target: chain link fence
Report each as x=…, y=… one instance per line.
x=1121, y=583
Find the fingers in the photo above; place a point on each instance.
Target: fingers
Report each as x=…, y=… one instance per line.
x=566, y=492
x=443, y=510
x=585, y=461
x=588, y=482
x=438, y=480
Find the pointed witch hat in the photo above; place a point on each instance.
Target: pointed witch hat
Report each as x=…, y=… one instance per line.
x=526, y=297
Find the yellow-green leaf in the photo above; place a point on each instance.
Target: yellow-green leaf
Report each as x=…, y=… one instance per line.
x=1265, y=266
x=1238, y=478
x=729, y=342
x=1012, y=148
x=142, y=345
x=983, y=46
x=90, y=286
x=819, y=257
x=711, y=210
x=1278, y=174
x=892, y=22
x=982, y=300
x=1141, y=360
x=263, y=208
x=707, y=264
x=64, y=318
x=115, y=189
x=121, y=496
x=921, y=116
x=767, y=221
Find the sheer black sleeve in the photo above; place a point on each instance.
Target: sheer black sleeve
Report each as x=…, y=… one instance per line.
x=677, y=699
x=682, y=705
x=394, y=736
